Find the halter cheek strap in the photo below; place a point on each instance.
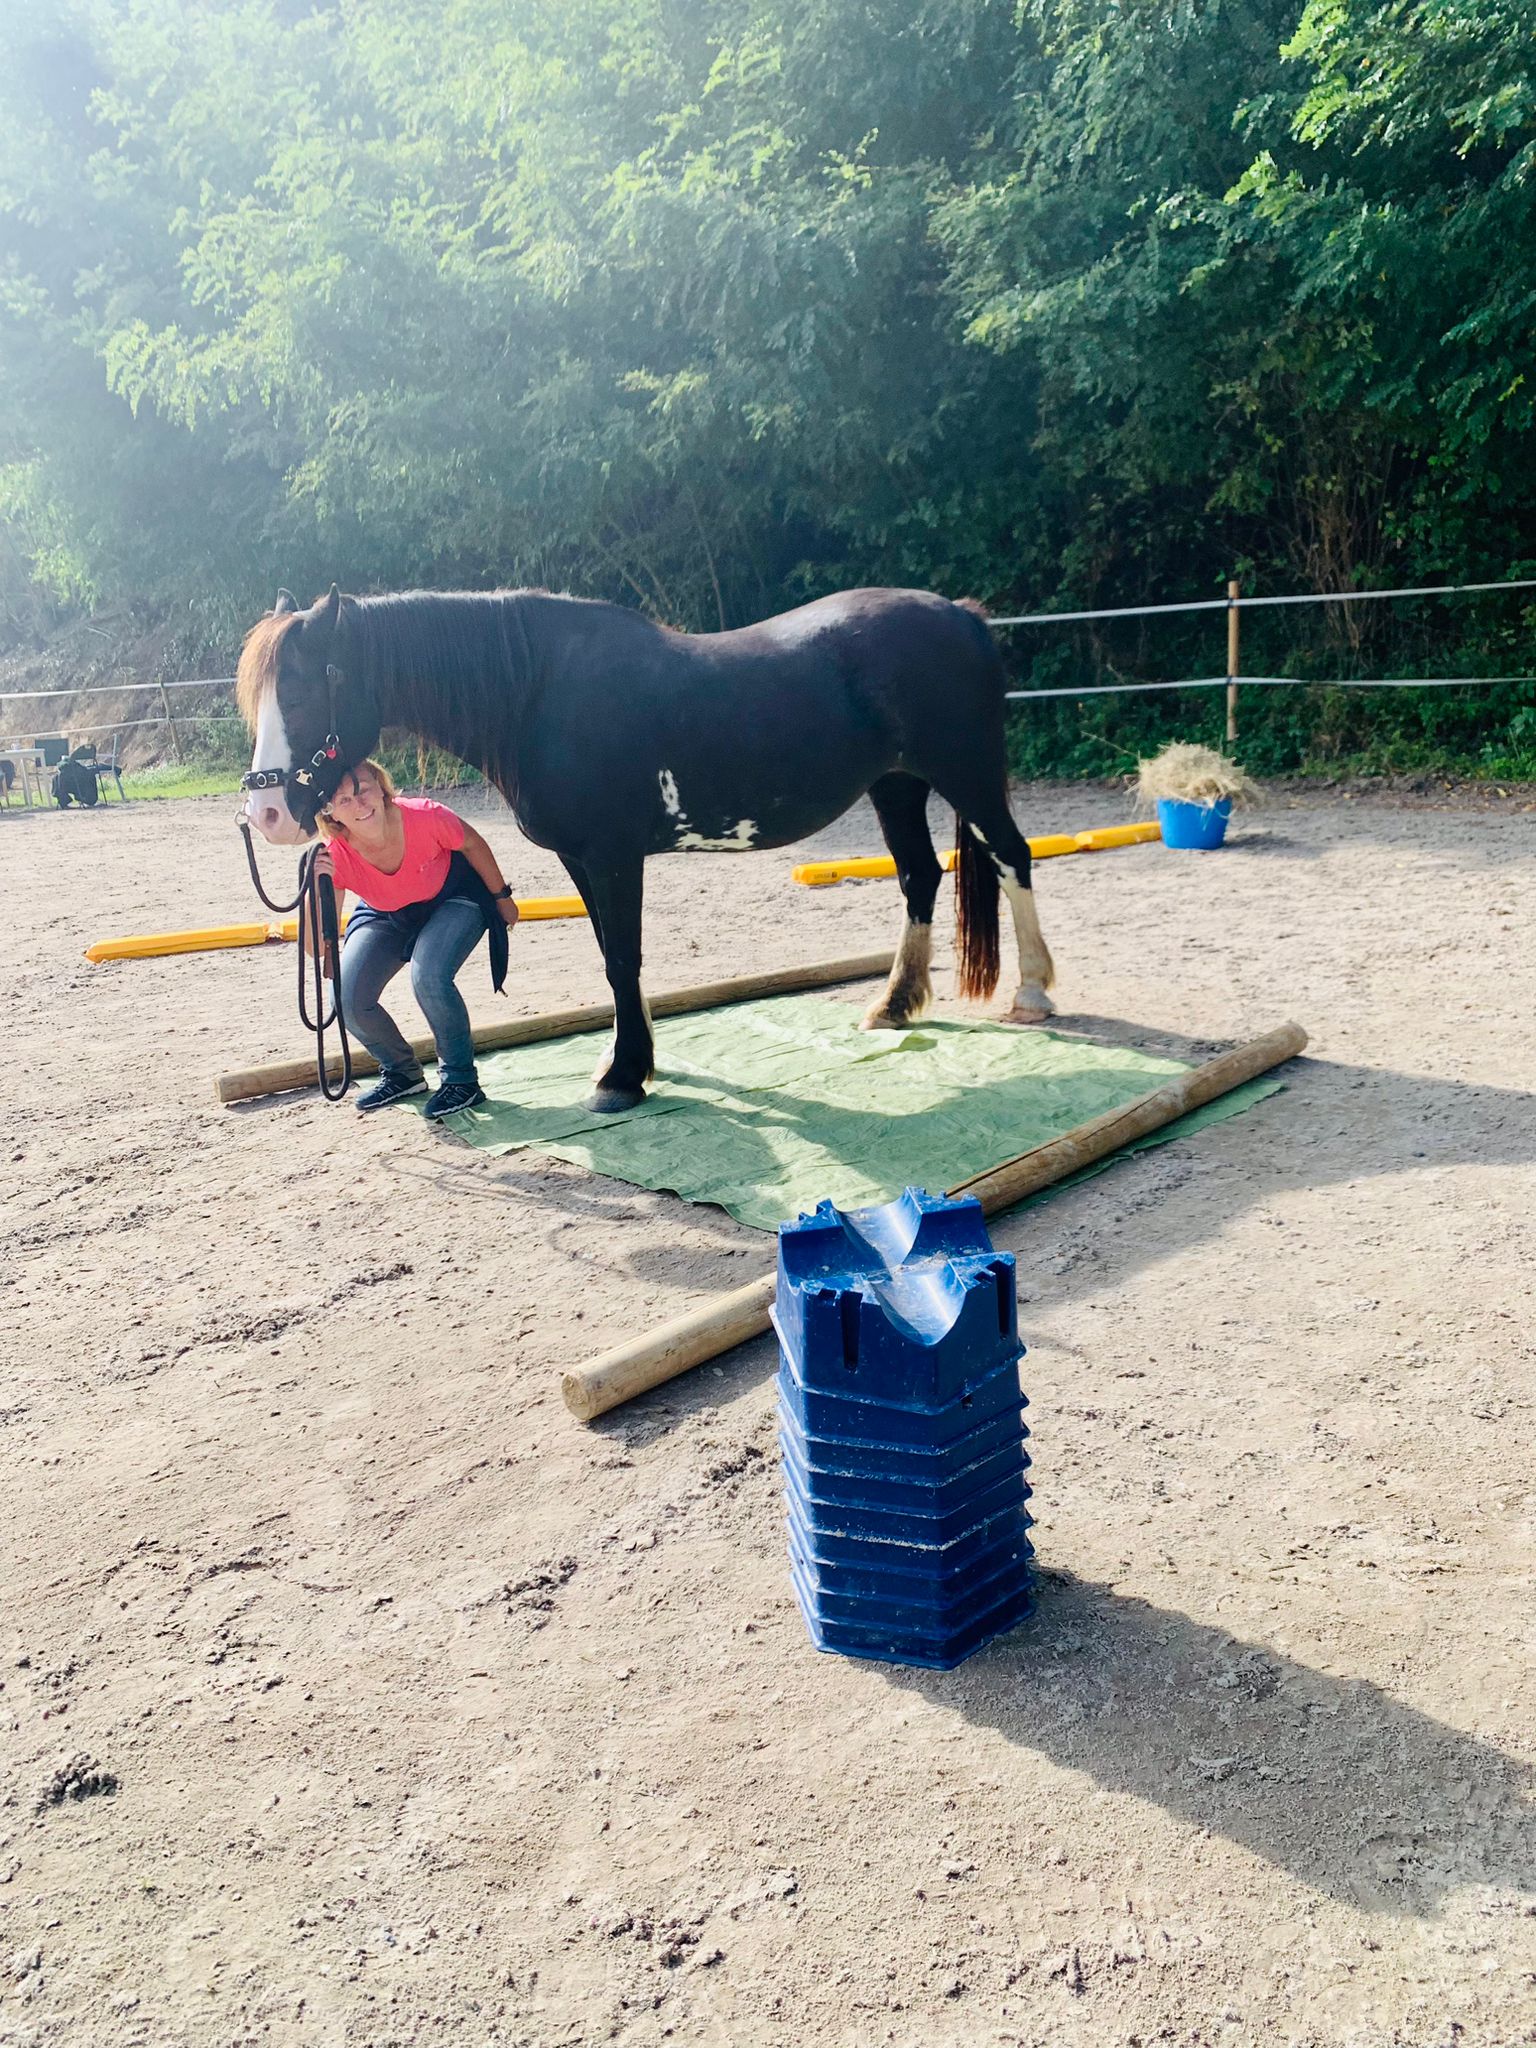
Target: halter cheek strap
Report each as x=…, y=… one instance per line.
x=328, y=751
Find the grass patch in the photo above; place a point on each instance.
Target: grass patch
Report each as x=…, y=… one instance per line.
x=170, y=779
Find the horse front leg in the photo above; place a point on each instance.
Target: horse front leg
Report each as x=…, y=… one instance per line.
x=614, y=891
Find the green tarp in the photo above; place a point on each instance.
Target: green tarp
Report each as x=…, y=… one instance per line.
x=767, y=1108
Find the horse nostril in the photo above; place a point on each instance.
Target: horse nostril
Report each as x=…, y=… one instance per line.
x=268, y=818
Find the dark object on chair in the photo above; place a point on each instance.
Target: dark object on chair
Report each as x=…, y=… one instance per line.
x=74, y=780
x=7, y=779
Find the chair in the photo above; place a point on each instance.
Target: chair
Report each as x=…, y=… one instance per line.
x=109, y=767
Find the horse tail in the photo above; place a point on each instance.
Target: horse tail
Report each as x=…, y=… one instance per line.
x=976, y=960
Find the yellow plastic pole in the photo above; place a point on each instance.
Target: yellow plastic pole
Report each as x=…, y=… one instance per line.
x=214, y=938
x=821, y=874
x=875, y=867
x=1107, y=836
x=533, y=908
x=148, y=944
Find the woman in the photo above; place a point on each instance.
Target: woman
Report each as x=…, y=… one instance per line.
x=428, y=887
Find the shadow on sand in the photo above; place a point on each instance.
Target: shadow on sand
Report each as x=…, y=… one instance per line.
x=1329, y=1779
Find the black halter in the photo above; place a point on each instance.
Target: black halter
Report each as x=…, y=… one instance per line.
x=324, y=757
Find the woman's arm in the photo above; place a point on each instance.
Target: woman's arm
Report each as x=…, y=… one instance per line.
x=488, y=868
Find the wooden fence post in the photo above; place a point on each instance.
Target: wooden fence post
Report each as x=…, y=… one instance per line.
x=165, y=699
x=1232, y=618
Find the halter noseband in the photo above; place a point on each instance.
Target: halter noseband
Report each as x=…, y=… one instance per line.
x=304, y=778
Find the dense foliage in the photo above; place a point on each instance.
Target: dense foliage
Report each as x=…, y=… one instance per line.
x=710, y=305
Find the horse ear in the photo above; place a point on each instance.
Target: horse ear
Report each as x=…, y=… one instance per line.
x=286, y=603
x=320, y=620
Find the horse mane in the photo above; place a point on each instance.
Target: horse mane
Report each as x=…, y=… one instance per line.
x=260, y=656
x=452, y=666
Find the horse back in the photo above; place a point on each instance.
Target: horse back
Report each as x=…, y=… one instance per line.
x=753, y=736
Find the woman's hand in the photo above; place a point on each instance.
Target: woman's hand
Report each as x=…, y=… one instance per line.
x=323, y=864
x=509, y=910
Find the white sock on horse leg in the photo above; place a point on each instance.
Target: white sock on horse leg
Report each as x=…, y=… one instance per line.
x=1036, y=969
x=910, y=989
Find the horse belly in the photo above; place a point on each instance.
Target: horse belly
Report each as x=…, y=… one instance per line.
x=700, y=813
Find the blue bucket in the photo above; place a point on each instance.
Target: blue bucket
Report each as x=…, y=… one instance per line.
x=1199, y=828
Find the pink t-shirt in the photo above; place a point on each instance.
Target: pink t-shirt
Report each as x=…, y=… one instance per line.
x=433, y=834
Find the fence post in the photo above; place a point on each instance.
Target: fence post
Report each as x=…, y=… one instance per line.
x=1232, y=670
x=165, y=699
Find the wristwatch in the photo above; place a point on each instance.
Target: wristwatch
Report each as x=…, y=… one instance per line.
x=500, y=895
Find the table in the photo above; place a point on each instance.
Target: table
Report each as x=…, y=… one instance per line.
x=31, y=772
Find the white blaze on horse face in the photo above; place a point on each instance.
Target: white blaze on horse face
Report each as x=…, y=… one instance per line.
x=267, y=809
x=741, y=837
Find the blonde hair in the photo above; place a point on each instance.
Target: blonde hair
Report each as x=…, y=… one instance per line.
x=332, y=828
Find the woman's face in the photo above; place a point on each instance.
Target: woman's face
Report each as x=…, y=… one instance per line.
x=359, y=801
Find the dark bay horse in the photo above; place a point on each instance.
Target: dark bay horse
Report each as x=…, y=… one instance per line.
x=613, y=738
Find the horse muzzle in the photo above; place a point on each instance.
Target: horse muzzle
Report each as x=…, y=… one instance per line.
x=268, y=809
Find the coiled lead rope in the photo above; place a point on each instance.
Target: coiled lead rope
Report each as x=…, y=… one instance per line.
x=320, y=927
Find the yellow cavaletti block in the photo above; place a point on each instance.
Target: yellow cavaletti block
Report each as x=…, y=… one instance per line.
x=214, y=938
x=148, y=944
x=820, y=874
x=536, y=907
x=1106, y=836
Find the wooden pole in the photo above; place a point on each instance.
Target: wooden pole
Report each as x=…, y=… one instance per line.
x=165, y=699
x=644, y=1362
x=1233, y=615
x=249, y=1082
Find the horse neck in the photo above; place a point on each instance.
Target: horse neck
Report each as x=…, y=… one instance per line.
x=455, y=669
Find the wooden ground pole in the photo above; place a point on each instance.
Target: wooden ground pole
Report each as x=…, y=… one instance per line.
x=730, y=1319
x=248, y=1082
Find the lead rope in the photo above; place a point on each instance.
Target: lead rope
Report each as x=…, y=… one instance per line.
x=316, y=905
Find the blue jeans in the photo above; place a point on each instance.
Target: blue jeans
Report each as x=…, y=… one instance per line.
x=373, y=953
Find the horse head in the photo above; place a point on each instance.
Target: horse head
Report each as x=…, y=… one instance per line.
x=312, y=720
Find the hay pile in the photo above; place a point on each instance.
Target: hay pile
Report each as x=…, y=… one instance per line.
x=1189, y=774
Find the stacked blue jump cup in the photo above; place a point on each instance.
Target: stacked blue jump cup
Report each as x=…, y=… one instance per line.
x=902, y=1430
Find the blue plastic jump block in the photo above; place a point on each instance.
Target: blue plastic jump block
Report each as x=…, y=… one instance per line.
x=828, y=1476
x=922, y=1464
x=954, y=1609
x=923, y=1521
x=906, y=1643
x=902, y=1431
x=925, y=1569
x=860, y=1409
x=906, y=1305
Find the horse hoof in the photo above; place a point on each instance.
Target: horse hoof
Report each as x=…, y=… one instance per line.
x=885, y=1016
x=607, y=1101
x=1030, y=1006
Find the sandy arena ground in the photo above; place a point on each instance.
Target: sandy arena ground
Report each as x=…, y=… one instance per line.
x=355, y=1694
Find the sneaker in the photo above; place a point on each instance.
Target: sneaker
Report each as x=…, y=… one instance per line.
x=392, y=1088
x=454, y=1096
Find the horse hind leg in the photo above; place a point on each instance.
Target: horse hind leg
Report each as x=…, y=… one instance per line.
x=1008, y=850
x=901, y=805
